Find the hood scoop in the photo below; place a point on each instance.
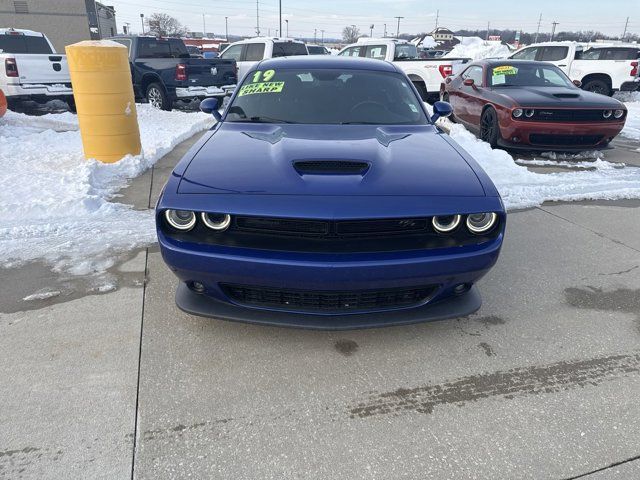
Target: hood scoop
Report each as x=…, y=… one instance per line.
x=330, y=167
x=566, y=95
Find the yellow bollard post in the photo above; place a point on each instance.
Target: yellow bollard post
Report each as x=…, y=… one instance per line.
x=103, y=92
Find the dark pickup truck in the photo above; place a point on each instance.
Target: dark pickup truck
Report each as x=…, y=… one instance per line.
x=163, y=72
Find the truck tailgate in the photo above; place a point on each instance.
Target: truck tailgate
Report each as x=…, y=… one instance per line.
x=205, y=72
x=42, y=68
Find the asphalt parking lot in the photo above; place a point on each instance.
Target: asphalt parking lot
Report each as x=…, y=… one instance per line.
x=542, y=382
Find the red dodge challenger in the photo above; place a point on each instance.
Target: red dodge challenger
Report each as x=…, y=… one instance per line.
x=531, y=105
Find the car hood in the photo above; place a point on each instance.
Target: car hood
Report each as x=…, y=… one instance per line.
x=557, y=97
x=262, y=159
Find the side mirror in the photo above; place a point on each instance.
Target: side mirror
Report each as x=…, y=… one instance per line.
x=577, y=83
x=441, y=109
x=468, y=82
x=210, y=105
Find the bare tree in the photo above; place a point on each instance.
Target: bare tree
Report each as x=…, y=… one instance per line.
x=350, y=34
x=163, y=25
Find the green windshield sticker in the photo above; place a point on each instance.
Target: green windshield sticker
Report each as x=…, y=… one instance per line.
x=262, y=87
x=505, y=70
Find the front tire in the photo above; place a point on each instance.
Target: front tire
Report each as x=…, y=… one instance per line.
x=597, y=86
x=157, y=97
x=489, y=129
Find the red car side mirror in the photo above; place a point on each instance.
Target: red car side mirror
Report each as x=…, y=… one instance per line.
x=468, y=82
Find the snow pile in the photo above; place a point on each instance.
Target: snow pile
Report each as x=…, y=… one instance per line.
x=477, y=49
x=55, y=205
x=632, y=125
x=521, y=188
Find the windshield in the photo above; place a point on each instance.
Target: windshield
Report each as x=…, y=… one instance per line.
x=326, y=97
x=528, y=75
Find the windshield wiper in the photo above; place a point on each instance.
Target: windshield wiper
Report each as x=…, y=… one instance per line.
x=263, y=119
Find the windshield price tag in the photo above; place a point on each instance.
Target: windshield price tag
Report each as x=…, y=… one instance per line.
x=505, y=70
x=262, y=87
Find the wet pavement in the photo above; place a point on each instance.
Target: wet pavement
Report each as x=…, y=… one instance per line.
x=541, y=383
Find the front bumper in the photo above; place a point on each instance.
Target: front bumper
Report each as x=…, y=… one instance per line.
x=202, y=92
x=528, y=135
x=443, y=268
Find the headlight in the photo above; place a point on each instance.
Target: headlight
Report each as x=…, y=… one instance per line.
x=517, y=113
x=481, y=222
x=445, y=224
x=618, y=113
x=607, y=113
x=180, y=219
x=529, y=112
x=216, y=221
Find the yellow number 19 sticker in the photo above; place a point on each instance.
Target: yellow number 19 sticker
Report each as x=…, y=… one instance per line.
x=266, y=75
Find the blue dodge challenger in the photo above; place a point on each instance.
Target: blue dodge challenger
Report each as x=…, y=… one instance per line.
x=325, y=197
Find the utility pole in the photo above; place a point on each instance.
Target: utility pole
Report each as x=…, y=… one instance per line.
x=142, y=22
x=624, y=34
x=226, y=28
x=257, y=19
x=204, y=27
x=398, y=30
x=322, y=36
x=280, y=4
x=371, y=30
x=287, y=22
x=385, y=31
x=553, y=29
x=538, y=30
x=315, y=35
x=488, y=25
x=437, y=17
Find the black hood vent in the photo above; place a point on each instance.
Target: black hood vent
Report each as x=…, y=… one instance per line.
x=330, y=167
x=566, y=95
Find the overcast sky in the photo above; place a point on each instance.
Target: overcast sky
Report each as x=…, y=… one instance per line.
x=419, y=15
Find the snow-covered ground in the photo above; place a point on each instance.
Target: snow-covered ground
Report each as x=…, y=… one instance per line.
x=632, y=125
x=476, y=48
x=60, y=208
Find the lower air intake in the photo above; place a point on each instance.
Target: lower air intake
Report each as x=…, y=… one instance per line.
x=330, y=301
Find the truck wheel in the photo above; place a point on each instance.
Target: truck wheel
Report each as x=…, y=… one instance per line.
x=489, y=128
x=597, y=86
x=422, y=90
x=157, y=97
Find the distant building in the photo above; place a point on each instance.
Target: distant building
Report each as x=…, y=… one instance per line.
x=63, y=21
x=442, y=34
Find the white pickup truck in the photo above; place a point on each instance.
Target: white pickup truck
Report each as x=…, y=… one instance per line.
x=248, y=52
x=601, y=68
x=30, y=68
x=426, y=73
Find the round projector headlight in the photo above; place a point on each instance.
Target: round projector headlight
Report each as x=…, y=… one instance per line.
x=180, y=219
x=618, y=113
x=481, y=222
x=517, y=113
x=216, y=221
x=607, y=113
x=529, y=112
x=445, y=224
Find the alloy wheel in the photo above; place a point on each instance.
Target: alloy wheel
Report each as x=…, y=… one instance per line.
x=155, y=98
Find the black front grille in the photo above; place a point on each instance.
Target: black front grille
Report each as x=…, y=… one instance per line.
x=331, y=167
x=564, y=140
x=330, y=301
x=566, y=115
x=332, y=236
